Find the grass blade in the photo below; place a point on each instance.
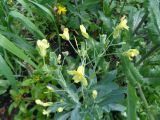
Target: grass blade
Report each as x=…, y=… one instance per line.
x=6, y=71
x=26, y=6
x=6, y=44
x=28, y=24
x=44, y=10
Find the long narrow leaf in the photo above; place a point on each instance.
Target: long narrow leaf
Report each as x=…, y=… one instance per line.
x=27, y=23
x=25, y=5
x=6, y=44
x=44, y=10
x=20, y=42
x=6, y=71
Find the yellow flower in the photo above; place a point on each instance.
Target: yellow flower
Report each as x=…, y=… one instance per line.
x=131, y=53
x=83, y=31
x=65, y=34
x=60, y=109
x=122, y=25
x=94, y=94
x=78, y=76
x=39, y=102
x=42, y=46
x=46, y=112
x=61, y=10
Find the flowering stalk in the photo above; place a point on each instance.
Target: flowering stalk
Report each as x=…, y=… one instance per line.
x=64, y=85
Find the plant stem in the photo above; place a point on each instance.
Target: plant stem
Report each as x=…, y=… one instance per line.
x=59, y=39
x=44, y=61
x=73, y=47
x=151, y=117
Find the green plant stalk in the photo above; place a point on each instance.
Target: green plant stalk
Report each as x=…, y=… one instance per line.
x=44, y=63
x=59, y=39
x=151, y=117
x=135, y=77
x=64, y=85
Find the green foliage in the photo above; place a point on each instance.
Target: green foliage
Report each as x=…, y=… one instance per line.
x=6, y=44
x=6, y=71
x=107, y=70
x=27, y=23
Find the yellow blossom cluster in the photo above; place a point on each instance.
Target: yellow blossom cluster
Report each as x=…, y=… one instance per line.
x=131, y=53
x=122, y=25
x=65, y=34
x=83, y=31
x=61, y=10
x=44, y=104
x=42, y=47
x=78, y=75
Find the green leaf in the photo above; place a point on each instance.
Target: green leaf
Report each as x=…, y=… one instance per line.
x=132, y=100
x=20, y=42
x=28, y=24
x=106, y=8
x=107, y=22
x=6, y=71
x=136, y=18
x=6, y=44
x=25, y=5
x=62, y=116
x=44, y=10
x=4, y=84
x=75, y=114
x=154, y=81
x=154, y=24
x=27, y=82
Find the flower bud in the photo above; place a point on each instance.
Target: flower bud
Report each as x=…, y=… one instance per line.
x=94, y=94
x=60, y=109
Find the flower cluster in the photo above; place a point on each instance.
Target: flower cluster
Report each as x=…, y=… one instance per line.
x=44, y=104
x=61, y=10
x=122, y=25
x=83, y=31
x=65, y=34
x=42, y=47
x=78, y=75
x=131, y=53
